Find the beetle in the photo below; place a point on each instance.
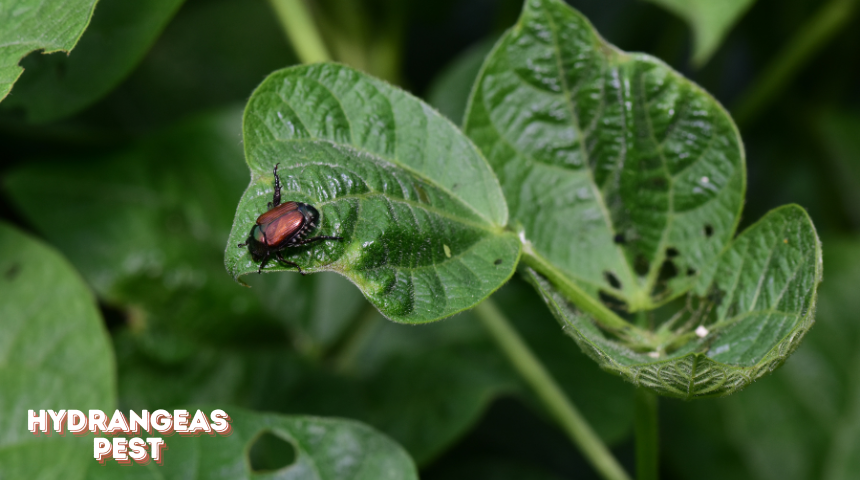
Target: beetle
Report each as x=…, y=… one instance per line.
x=284, y=225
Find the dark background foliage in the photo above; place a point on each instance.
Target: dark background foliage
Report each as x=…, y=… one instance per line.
x=183, y=332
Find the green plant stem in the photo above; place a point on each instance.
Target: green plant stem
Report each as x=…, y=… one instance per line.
x=647, y=441
x=530, y=368
x=827, y=21
x=298, y=24
x=605, y=317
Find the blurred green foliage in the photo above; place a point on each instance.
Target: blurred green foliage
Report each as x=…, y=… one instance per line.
x=136, y=187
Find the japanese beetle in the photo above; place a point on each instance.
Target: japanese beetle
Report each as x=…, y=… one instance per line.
x=283, y=225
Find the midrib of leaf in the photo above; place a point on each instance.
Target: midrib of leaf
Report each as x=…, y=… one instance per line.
x=576, y=125
x=767, y=268
x=385, y=164
x=586, y=302
x=353, y=145
x=670, y=216
x=640, y=298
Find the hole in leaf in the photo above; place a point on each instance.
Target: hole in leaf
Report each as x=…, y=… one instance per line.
x=619, y=239
x=612, y=279
x=668, y=271
x=270, y=452
x=612, y=302
x=672, y=252
x=709, y=230
x=641, y=265
x=498, y=261
x=691, y=271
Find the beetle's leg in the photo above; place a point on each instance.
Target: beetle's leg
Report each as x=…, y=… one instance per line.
x=243, y=244
x=321, y=237
x=281, y=258
x=263, y=263
x=276, y=197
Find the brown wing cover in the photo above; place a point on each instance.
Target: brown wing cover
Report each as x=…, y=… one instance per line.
x=283, y=227
x=276, y=212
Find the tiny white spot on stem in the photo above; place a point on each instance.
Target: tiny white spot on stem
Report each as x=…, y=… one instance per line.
x=705, y=179
x=654, y=354
x=701, y=331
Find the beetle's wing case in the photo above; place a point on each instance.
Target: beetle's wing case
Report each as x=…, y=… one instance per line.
x=277, y=212
x=284, y=227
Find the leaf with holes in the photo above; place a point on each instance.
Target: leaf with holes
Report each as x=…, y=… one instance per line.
x=419, y=211
x=625, y=178
x=58, y=85
x=29, y=25
x=746, y=315
x=261, y=445
x=323, y=449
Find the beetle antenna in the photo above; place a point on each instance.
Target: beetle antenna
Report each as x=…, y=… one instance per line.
x=276, y=197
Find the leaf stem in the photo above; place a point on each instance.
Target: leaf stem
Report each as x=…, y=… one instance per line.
x=826, y=22
x=548, y=391
x=298, y=24
x=645, y=425
x=601, y=313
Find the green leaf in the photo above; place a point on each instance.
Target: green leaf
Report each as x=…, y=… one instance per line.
x=54, y=354
x=419, y=210
x=148, y=227
x=121, y=32
x=325, y=449
x=803, y=422
x=626, y=181
x=30, y=25
x=610, y=162
x=753, y=307
x=710, y=21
